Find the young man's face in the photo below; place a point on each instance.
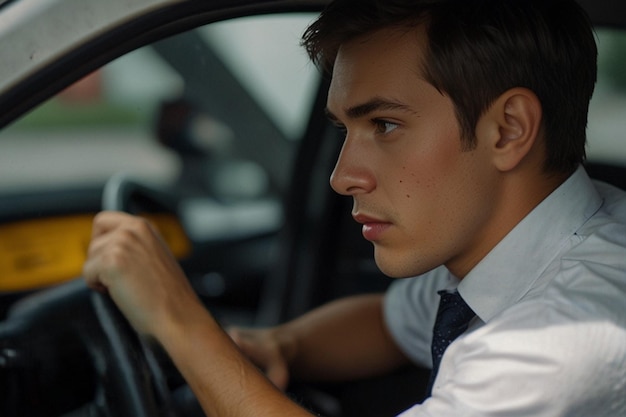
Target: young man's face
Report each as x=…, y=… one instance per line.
x=422, y=199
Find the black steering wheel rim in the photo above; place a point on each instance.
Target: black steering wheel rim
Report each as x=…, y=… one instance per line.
x=133, y=393
x=124, y=384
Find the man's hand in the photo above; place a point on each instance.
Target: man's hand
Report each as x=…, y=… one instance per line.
x=267, y=351
x=128, y=258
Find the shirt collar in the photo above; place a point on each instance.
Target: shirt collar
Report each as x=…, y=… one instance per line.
x=507, y=273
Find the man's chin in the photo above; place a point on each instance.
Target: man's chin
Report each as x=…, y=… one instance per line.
x=392, y=269
x=398, y=267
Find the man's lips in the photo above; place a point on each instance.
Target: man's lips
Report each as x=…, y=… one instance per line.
x=373, y=228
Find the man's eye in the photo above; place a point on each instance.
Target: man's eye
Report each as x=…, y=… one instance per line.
x=342, y=129
x=384, y=127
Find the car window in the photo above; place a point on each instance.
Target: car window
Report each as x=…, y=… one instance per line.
x=280, y=68
x=191, y=109
x=607, y=124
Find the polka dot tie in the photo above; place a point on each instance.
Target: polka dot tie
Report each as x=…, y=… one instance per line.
x=453, y=317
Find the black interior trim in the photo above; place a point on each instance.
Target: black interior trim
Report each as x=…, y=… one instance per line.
x=605, y=13
x=293, y=239
x=610, y=173
x=28, y=205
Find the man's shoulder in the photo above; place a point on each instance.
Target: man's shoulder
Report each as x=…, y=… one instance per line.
x=614, y=202
x=600, y=249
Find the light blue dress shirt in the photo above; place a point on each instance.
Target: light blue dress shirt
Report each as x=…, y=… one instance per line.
x=549, y=339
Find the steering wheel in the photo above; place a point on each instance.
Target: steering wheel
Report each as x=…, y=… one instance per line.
x=141, y=388
x=135, y=360
x=126, y=382
x=129, y=380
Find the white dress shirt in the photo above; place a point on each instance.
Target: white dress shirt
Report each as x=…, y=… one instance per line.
x=549, y=339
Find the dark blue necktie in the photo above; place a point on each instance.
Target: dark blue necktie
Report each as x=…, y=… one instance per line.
x=453, y=317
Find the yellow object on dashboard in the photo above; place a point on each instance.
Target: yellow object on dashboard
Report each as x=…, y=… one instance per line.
x=37, y=253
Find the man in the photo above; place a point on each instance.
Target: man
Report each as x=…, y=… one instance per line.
x=465, y=130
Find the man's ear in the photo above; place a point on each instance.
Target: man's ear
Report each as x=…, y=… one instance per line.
x=511, y=126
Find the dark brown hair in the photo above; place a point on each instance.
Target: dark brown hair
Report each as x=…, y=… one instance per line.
x=478, y=49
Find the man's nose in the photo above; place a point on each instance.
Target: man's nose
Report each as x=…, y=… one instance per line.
x=353, y=173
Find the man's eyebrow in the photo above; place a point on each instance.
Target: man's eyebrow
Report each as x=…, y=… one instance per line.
x=375, y=104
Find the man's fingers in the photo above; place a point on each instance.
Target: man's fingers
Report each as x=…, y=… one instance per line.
x=264, y=353
x=110, y=248
x=94, y=272
x=106, y=221
x=278, y=373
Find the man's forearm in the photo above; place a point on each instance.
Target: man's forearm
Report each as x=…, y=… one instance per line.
x=343, y=340
x=223, y=380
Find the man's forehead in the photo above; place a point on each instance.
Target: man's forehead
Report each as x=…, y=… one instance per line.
x=381, y=48
x=374, y=59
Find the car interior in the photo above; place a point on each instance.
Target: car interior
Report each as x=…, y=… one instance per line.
x=214, y=150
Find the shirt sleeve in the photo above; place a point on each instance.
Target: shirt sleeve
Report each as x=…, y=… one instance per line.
x=410, y=309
